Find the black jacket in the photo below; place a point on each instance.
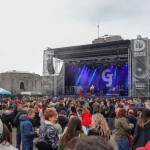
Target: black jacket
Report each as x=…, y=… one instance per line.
x=62, y=120
x=7, y=119
x=16, y=120
x=141, y=135
x=36, y=120
x=93, y=132
x=132, y=119
x=60, y=107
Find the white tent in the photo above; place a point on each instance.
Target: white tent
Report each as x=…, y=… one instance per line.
x=4, y=92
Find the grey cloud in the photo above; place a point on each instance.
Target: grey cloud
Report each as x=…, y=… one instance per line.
x=97, y=10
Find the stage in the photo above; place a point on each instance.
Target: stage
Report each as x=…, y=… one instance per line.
x=103, y=65
x=119, y=68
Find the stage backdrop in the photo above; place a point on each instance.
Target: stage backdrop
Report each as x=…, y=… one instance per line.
x=107, y=80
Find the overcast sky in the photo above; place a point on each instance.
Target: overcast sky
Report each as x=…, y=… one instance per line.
x=27, y=27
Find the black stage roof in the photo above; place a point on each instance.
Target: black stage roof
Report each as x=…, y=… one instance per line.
x=93, y=50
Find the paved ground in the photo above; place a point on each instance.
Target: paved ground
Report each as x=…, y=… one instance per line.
x=14, y=138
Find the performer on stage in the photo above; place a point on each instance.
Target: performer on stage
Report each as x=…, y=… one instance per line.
x=92, y=89
x=121, y=91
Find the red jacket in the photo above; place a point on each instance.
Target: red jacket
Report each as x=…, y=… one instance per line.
x=86, y=118
x=147, y=147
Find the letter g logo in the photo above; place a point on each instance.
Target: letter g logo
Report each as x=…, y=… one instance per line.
x=107, y=77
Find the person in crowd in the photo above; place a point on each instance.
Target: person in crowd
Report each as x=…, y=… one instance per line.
x=142, y=129
x=74, y=130
x=86, y=118
x=111, y=117
x=107, y=110
x=102, y=108
x=26, y=128
x=91, y=104
x=69, y=119
x=73, y=112
x=62, y=119
x=58, y=128
x=8, y=117
x=47, y=129
x=29, y=104
x=79, y=109
x=70, y=104
x=96, y=106
x=5, y=138
x=41, y=113
x=132, y=119
x=99, y=127
x=14, y=105
x=147, y=104
x=61, y=106
x=86, y=100
x=138, y=113
x=89, y=143
x=36, y=119
x=138, y=103
x=146, y=147
x=16, y=123
x=122, y=129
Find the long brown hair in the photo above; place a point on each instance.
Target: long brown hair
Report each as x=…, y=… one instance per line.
x=85, y=109
x=74, y=127
x=89, y=143
x=121, y=113
x=6, y=137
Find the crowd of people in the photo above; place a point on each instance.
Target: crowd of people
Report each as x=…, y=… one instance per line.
x=79, y=123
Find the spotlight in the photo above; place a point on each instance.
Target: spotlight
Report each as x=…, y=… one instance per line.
x=139, y=70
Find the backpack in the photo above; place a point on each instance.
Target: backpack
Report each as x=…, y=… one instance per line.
x=42, y=143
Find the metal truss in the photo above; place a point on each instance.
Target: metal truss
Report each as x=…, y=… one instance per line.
x=129, y=71
x=95, y=50
x=98, y=58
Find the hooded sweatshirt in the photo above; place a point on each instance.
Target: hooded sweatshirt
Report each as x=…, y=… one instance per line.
x=26, y=128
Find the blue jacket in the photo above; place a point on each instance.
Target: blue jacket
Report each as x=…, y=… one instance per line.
x=26, y=128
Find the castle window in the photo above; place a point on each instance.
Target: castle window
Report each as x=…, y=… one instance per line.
x=22, y=86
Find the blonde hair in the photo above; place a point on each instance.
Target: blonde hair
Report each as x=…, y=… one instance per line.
x=101, y=126
x=36, y=108
x=130, y=111
x=30, y=111
x=49, y=112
